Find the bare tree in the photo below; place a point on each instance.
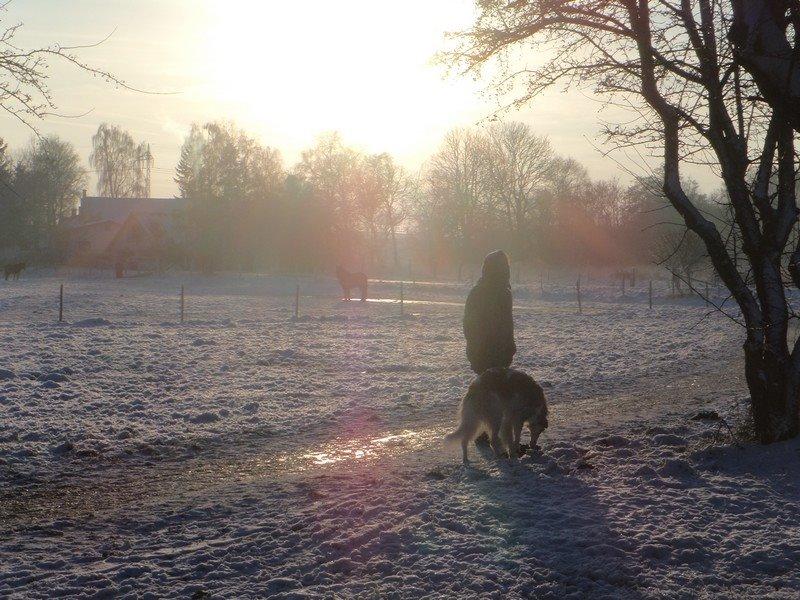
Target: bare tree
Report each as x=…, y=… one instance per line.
x=402, y=191
x=24, y=91
x=48, y=178
x=671, y=61
x=520, y=166
x=766, y=41
x=123, y=166
x=370, y=193
x=455, y=178
x=608, y=202
x=563, y=193
x=429, y=226
x=328, y=167
x=681, y=252
x=382, y=193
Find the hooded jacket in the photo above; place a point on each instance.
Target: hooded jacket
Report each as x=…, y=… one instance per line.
x=488, y=322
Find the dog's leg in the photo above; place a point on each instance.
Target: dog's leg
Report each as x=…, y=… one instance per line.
x=469, y=427
x=507, y=435
x=517, y=434
x=497, y=442
x=536, y=431
x=465, y=432
x=493, y=424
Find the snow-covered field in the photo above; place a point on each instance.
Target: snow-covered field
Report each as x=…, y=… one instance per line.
x=245, y=453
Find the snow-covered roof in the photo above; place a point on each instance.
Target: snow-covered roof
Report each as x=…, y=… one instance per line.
x=77, y=225
x=99, y=208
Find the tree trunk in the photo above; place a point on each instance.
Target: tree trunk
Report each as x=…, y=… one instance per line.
x=773, y=388
x=394, y=249
x=760, y=42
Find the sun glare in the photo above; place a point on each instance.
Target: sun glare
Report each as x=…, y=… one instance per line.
x=362, y=68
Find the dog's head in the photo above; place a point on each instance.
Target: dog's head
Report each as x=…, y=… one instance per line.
x=534, y=402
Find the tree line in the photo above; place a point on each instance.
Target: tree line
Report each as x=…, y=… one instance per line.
x=41, y=186
x=484, y=188
x=505, y=186
x=501, y=186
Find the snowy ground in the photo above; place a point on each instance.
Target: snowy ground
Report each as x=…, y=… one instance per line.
x=245, y=453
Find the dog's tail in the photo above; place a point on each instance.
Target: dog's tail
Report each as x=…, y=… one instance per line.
x=454, y=437
x=464, y=429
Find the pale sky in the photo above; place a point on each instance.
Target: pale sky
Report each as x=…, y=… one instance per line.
x=286, y=72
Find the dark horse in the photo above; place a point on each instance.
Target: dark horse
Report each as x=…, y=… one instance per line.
x=350, y=280
x=13, y=270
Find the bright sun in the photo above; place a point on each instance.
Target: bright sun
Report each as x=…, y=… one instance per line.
x=359, y=67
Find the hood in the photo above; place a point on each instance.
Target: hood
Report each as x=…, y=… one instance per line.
x=496, y=269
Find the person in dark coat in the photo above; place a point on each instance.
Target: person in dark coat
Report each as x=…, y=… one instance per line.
x=488, y=322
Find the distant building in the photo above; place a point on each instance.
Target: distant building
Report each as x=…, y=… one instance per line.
x=100, y=208
x=140, y=232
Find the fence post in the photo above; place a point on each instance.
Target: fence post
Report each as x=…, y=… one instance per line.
x=402, y=308
x=580, y=306
x=297, y=301
x=541, y=283
x=183, y=304
x=650, y=293
x=623, y=282
x=61, y=304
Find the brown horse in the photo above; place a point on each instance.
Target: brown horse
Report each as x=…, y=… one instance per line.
x=12, y=270
x=350, y=280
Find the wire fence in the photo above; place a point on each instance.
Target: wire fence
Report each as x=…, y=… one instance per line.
x=188, y=298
